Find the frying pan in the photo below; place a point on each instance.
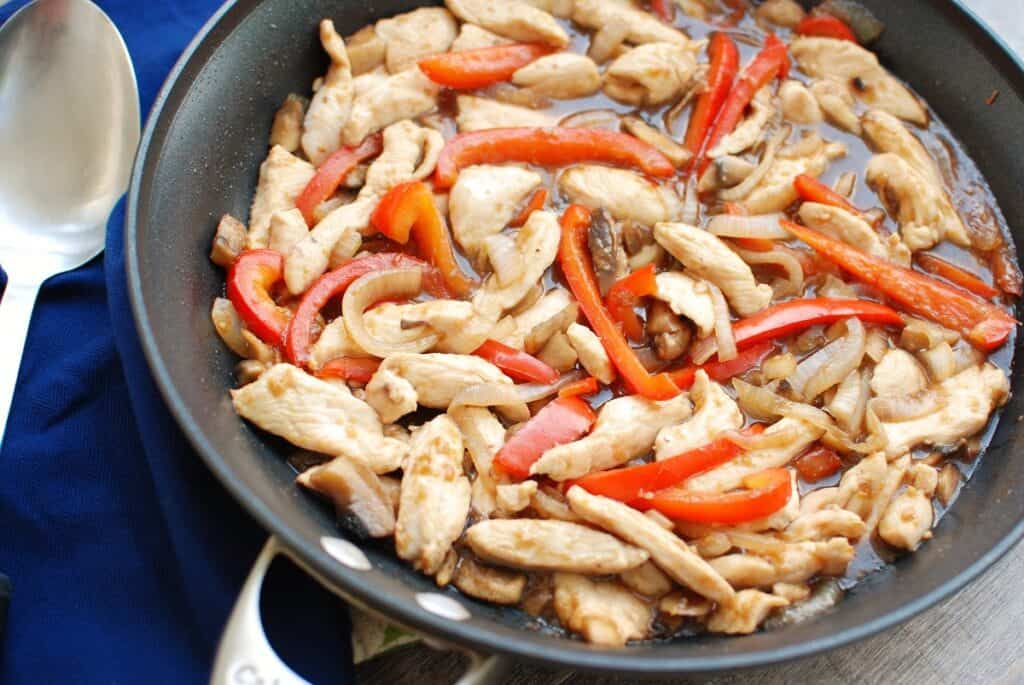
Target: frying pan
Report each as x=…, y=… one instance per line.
x=200, y=156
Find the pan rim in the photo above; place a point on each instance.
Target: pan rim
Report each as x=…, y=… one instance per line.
x=351, y=584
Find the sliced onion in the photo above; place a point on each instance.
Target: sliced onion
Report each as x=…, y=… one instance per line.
x=836, y=288
x=504, y=394
x=704, y=349
x=505, y=258
x=850, y=402
x=367, y=290
x=593, y=118
x=764, y=226
x=907, y=407
x=940, y=362
x=724, y=338
x=831, y=364
x=966, y=356
x=691, y=203
x=739, y=192
x=794, y=281
x=764, y=441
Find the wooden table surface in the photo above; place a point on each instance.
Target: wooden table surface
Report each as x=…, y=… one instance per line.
x=973, y=637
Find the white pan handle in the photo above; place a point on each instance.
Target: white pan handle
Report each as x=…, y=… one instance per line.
x=245, y=656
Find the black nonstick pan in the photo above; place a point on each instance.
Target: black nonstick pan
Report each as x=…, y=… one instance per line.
x=200, y=156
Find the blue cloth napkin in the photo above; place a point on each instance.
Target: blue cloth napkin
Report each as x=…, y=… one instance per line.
x=125, y=554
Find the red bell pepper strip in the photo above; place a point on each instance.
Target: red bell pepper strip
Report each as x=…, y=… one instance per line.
x=331, y=285
x=631, y=483
x=811, y=189
x=825, y=26
x=721, y=371
x=536, y=203
x=725, y=60
x=956, y=275
x=765, y=493
x=664, y=10
x=556, y=146
x=772, y=61
x=624, y=296
x=817, y=463
x=332, y=172
x=409, y=207
x=356, y=369
x=249, y=281
x=482, y=67
x=561, y=421
x=985, y=325
x=518, y=365
x=584, y=386
x=790, y=317
x=574, y=258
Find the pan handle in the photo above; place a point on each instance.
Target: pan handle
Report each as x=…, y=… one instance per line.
x=245, y=656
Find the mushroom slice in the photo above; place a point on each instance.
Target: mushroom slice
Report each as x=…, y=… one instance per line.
x=356, y=492
x=603, y=612
x=539, y=545
x=331, y=105
x=318, y=416
x=434, y=499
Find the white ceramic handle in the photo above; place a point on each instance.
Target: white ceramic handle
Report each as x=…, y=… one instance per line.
x=244, y=655
x=15, y=315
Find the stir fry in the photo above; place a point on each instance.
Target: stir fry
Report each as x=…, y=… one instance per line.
x=647, y=318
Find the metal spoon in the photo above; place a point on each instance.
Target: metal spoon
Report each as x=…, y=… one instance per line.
x=69, y=126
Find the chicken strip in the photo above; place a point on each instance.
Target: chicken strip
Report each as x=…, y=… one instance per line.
x=730, y=475
x=898, y=374
x=851, y=229
x=472, y=37
x=641, y=26
x=837, y=103
x=282, y=177
x=512, y=19
x=483, y=435
x=484, y=200
x=537, y=545
x=687, y=297
x=591, y=352
x=625, y=429
x=750, y=131
x=334, y=341
x=537, y=243
x=488, y=583
x=476, y=114
x=746, y=613
x=604, y=613
x=562, y=75
x=667, y=550
x=552, y=314
x=434, y=499
x=410, y=153
x=775, y=192
x=707, y=257
x=332, y=103
x=404, y=95
x=968, y=399
x=851, y=63
x=413, y=35
x=798, y=103
x=287, y=229
x=794, y=562
x=715, y=413
x=318, y=416
x=886, y=133
x=400, y=323
x=406, y=380
x=626, y=195
x=925, y=214
x=651, y=74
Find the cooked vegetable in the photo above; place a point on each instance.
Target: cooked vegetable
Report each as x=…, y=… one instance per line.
x=517, y=365
x=331, y=174
x=764, y=494
x=817, y=463
x=559, y=422
x=830, y=365
x=482, y=67
x=547, y=147
x=956, y=275
x=409, y=207
x=725, y=59
x=762, y=227
x=985, y=325
x=724, y=370
x=379, y=286
x=811, y=189
x=355, y=369
x=624, y=296
x=574, y=259
x=537, y=202
x=859, y=18
x=586, y=386
x=248, y=284
x=825, y=26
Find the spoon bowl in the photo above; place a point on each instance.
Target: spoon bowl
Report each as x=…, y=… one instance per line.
x=69, y=127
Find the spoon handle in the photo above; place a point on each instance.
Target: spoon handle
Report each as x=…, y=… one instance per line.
x=15, y=314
